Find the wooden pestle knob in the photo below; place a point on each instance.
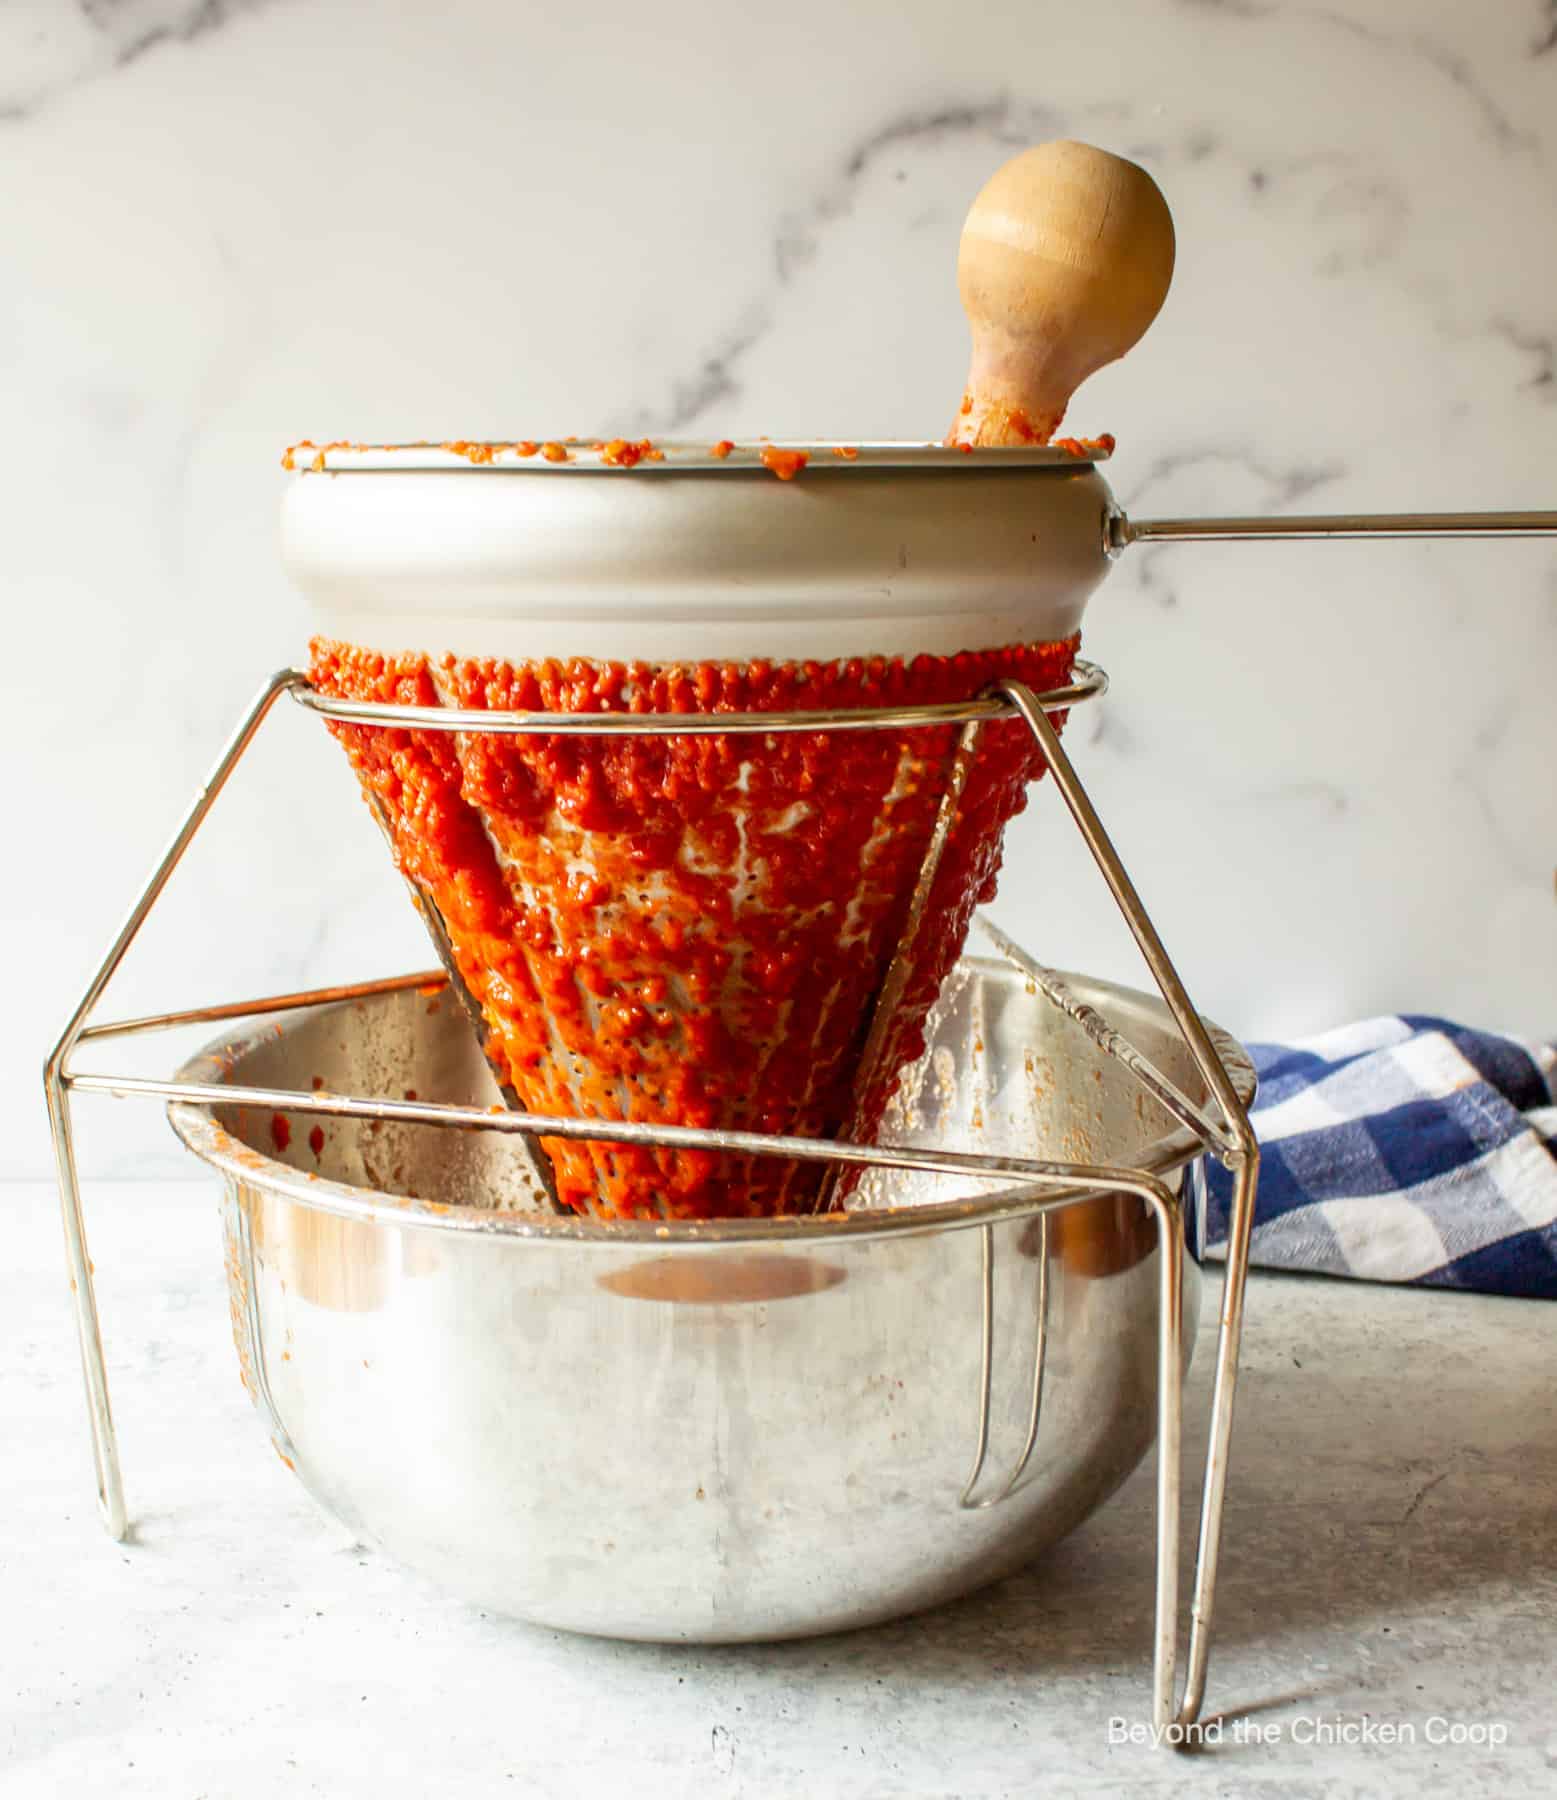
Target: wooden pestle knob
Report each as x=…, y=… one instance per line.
x=1066, y=258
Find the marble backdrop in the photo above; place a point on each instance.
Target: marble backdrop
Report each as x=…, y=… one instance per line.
x=225, y=224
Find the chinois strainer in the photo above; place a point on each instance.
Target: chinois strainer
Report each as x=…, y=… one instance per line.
x=737, y=933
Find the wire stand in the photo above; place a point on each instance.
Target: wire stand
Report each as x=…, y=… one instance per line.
x=1042, y=1187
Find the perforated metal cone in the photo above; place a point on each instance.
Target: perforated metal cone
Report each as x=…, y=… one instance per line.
x=696, y=930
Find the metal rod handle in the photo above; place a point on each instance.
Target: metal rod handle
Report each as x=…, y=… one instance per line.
x=1122, y=532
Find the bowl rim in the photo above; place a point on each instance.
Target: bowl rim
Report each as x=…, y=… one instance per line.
x=198, y=1128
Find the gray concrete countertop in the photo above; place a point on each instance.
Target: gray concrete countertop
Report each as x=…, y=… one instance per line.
x=1390, y=1572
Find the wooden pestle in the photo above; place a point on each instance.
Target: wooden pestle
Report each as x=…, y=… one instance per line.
x=1066, y=258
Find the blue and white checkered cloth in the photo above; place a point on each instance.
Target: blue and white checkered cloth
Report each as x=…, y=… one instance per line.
x=1406, y=1149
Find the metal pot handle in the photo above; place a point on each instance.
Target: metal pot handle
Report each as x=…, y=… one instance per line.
x=1122, y=532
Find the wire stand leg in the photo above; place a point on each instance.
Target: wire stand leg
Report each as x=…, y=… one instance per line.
x=1243, y=1158
x=105, y=1444
x=1170, y=1452
x=1229, y=1337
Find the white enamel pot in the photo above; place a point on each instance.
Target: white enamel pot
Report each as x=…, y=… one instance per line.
x=875, y=549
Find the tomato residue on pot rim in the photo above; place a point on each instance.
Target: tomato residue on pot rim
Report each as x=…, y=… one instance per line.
x=630, y=453
x=786, y=464
x=289, y=456
x=1015, y=428
x=619, y=453
x=1086, y=448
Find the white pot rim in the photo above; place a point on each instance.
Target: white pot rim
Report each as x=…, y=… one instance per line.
x=659, y=457
x=898, y=550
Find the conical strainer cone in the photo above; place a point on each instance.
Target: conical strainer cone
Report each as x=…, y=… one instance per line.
x=740, y=931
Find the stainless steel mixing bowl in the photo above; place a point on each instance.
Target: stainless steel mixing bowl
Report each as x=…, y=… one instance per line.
x=742, y=1430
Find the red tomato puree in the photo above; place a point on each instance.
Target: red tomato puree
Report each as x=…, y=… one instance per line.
x=691, y=930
